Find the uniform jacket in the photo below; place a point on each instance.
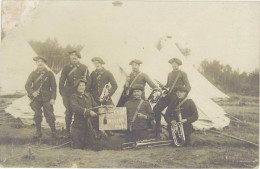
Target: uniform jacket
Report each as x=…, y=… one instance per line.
x=79, y=103
x=141, y=79
x=68, y=80
x=48, y=82
x=183, y=80
x=145, y=109
x=99, y=79
x=188, y=111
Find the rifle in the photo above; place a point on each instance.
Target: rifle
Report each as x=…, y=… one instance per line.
x=145, y=143
x=38, y=90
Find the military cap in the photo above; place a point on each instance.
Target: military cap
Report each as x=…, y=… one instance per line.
x=136, y=61
x=98, y=59
x=176, y=60
x=76, y=52
x=40, y=57
x=78, y=81
x=138, y=87
x=181, y=88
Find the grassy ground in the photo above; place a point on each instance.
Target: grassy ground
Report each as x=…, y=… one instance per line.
x=19, y=149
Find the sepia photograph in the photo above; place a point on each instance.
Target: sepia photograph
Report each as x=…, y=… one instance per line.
x=129, y=84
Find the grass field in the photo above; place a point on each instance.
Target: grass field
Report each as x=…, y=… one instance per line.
x=18, y=149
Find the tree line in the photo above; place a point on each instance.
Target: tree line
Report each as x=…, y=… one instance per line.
x=56, y=55
x=229, y=80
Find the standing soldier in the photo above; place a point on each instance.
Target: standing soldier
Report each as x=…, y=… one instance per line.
x=41, y=88
x=101, y=79
x=186, y=108
x=135, y=77
x=175, y=78
x=69, y=75
x=82, y=104
x=139, y=112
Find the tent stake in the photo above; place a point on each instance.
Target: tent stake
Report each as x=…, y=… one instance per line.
x=236, y=138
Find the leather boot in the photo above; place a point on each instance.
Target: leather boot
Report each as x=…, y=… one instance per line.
x=53, y=130
x=67, y=134
x=38, y=133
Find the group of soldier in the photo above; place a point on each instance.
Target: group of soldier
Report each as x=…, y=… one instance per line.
x=81, y=93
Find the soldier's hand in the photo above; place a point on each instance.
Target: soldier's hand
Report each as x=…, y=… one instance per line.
x=52, y=101
x=36, y=93
x=92, y=114
x=142, y=116
x=184, y=120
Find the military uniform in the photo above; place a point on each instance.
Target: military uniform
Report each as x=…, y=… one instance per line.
x=82, y=132
x=142, y=79
x=69, y=75
x=99, y=78
x=138, y=126
x=171, y=97
x=188, y=111
x=46, y=80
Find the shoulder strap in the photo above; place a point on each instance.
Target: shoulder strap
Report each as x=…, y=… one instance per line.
x=39, y=77
x=137, y=110
x=85, y=74
x=135, y=79
x=181, y=103
x=72, y=70
x=174, y=83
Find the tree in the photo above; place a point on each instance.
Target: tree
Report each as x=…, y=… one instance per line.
x=228, y=80
x=57, y=56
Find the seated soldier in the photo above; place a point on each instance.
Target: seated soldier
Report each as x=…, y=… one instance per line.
x=188, y=111
x=139, y=112
x=81, y=103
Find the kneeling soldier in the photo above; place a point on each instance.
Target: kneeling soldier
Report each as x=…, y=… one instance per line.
x=41, y=88
x=139, y=112
x=188, y=112
x=81, y=104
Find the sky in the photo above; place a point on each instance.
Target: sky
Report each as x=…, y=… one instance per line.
x=224, y=31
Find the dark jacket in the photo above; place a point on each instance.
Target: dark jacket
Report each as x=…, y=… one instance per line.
x=47, y=81
x=79, y=104
x=188, y=111
x=99, y=79
x=141, y=79
x=67, y=79
x=182, y=80
x=145, y=109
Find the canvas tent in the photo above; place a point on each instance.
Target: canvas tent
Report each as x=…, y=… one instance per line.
x=118, y=35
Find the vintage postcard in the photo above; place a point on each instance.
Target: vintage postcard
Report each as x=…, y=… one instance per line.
x=129, y=84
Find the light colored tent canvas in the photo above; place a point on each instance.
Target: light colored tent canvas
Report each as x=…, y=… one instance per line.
x=16, y=64
x=119, y=35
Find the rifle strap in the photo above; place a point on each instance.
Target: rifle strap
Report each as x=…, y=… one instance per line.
x=72, y=70
x=38, y=78
x=132, y=83
x=181, y=103
x=137, y=110
x=174, y=83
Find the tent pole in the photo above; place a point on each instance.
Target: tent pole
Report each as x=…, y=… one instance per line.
x=236, y=138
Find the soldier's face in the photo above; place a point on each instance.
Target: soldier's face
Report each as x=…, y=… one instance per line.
x=81, y=87
x=74, y=58
x=180, y=94
x=175, y=66
x=97, y=65
x=40, y=64
x=135, y=67
x=137, y=93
